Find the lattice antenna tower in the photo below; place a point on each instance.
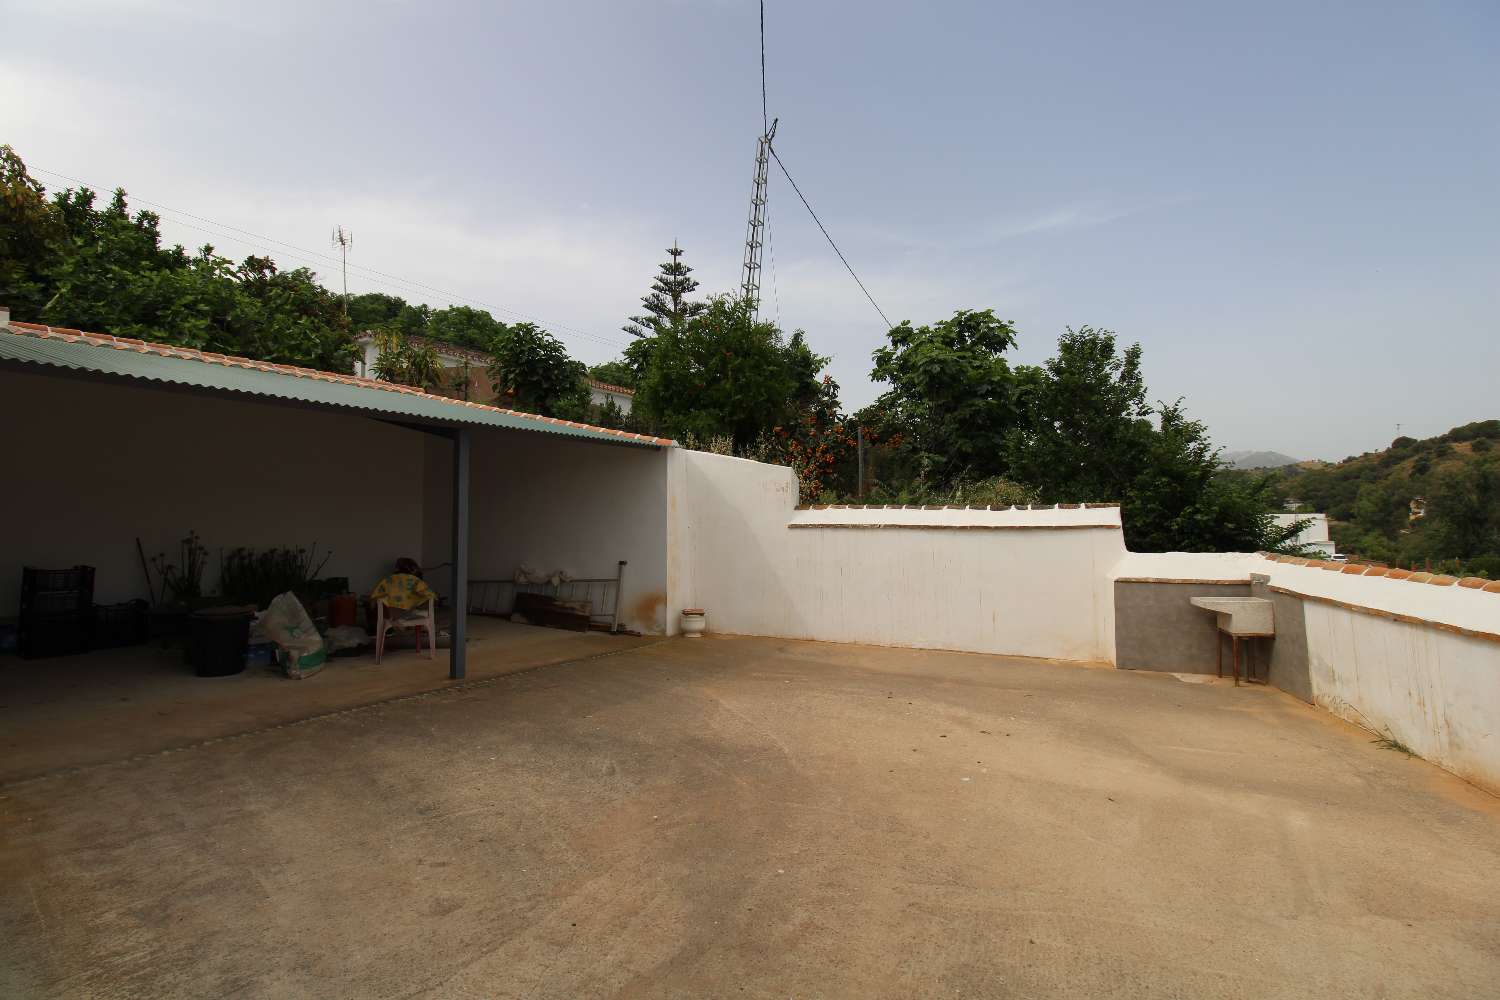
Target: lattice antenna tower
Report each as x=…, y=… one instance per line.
x=755, y=229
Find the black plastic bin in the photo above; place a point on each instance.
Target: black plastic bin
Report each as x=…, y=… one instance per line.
x=217, y=640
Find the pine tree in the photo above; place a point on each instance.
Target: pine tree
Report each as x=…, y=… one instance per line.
x=668, y=304
x=668, y=308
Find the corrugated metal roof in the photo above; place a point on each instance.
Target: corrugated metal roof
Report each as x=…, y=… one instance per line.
x=29, y=344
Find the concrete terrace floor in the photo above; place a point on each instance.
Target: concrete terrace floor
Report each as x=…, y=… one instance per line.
x=754, y=817
x=73, y=711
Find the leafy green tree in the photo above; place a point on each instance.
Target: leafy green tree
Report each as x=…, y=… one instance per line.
x=1178, y=500
x=1087, y=434
x=1383, y=508
x=31, y=234
x=952, y=396
x=609, y=415
x=614, y=373
x=667, y=307
x=721, y=373
x=464, y=327
x=1464, y=512
x=1086, y=426
x=378, y=311
x=406, y=363
x=534, y=369
x=114, y=276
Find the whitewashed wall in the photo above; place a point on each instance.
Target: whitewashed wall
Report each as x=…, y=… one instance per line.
x=91, y=466
x=1027, y=583
x=1416, y=661
x=550, y=502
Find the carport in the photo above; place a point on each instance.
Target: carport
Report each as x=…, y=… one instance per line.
x=114, y=439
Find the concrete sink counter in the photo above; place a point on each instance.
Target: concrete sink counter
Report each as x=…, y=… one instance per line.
x=1240, y=616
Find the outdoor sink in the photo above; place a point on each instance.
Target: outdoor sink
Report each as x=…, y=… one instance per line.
x=1240, y=615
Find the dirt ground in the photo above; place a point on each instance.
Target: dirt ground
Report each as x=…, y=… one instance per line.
x=763, y=818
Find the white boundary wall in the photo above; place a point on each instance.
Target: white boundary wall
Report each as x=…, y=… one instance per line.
x=1413, y=660
x=1018, y=582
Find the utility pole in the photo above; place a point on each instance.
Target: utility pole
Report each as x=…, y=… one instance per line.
x=861, y=449
x=344, y=240
x=756, y=229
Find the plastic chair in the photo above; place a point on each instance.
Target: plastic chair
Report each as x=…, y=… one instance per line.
x=389, y=595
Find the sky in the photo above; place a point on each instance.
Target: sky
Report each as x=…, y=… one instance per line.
x=1293, y=207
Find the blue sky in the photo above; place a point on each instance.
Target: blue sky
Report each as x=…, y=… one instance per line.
x=1293, y=207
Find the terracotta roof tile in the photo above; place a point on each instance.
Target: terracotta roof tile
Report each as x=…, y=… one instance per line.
x=42, y=332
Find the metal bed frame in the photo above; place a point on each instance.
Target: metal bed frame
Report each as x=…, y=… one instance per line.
x=498, y=597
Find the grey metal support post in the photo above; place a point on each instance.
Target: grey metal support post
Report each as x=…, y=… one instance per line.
x=460, y=630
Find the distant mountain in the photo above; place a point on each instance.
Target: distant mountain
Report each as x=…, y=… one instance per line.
x=1257, y=459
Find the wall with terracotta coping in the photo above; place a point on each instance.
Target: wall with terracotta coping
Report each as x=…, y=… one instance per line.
x=1409, y=655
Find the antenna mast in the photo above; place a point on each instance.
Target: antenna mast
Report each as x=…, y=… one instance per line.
x=344, y=240
x=756, y=228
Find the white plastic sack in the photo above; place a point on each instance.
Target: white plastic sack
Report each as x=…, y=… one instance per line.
x=286, y=623
x=527, y=575
x=346, y=637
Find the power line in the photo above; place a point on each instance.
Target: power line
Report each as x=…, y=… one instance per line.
x=316, y=256
x=829, y=238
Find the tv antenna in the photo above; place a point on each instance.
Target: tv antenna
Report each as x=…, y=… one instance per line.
x=344, y=240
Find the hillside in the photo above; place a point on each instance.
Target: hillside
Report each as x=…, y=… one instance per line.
x=1257, y=459
x=1417, y=503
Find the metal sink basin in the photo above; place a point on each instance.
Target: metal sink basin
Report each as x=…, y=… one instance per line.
x=1240, y=615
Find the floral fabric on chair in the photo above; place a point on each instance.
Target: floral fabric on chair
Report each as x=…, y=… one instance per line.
x=403, y=591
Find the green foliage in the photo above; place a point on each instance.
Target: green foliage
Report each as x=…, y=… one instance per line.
x=1086, y=429
x=720, y=372
x=952, y=395
x=464, y=327
x=247, y=576
x=406, y=363
x=616, y=372
x=1087, y=434
x=995, y=491
x=378, y=311
x=1486, y=429
x=31, y=235
x=534, y=369
x=1368, y=500
x=609, y=415
x=1465, y=512
x=667, y=309
x=69, y=262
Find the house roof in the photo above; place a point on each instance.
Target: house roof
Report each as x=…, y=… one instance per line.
x=442, y=347
x=32, y=345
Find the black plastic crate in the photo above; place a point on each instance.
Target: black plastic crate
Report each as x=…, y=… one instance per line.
x=39, y=636
x=56, y=591
x=120, y=624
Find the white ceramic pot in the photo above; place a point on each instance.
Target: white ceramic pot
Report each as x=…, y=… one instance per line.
x=694, y=621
